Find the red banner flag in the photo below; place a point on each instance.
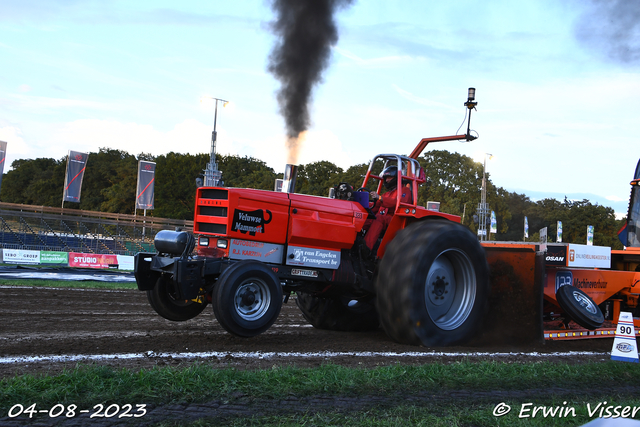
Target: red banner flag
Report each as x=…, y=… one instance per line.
x=76, y=165
x=146, y=180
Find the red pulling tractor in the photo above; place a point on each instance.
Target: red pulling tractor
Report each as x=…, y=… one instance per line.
x=426, y=282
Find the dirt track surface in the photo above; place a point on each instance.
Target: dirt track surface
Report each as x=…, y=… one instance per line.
x=69, y=326
x=97, y=323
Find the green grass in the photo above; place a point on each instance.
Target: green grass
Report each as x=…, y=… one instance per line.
x=81, y=284
x=443, y=415
x=580, y=384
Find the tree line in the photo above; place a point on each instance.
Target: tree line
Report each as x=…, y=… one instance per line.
x=452, y=179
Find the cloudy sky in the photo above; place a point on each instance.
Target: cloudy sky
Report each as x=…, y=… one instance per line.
x=557, y=84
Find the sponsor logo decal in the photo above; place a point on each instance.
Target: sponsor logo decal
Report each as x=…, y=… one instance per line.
x=306, y=273
x=555, y=258
x=271, y=252
x=252, y=222
x=624, y=347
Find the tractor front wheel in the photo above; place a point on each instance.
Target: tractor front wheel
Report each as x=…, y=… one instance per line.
x=163, y=300
x=247, y=298
x=433, y=284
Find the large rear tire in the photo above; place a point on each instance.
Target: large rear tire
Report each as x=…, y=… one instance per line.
x=247, y=298
x=163, y=301
x=433, y=285
x=339, y=313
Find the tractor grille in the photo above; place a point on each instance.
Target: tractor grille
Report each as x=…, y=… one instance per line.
x=213, y=228
x=213, y=211
x=212, y=206
x=214, y=193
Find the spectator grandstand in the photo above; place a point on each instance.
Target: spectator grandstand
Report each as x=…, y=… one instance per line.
x=44, y=228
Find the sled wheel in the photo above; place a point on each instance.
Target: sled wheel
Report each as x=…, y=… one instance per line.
x=433, y=284
x=163, y=300
x=247, y=298
x=338, y=314
x=579, y=307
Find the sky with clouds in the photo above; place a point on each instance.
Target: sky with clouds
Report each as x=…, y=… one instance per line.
x=557, y=84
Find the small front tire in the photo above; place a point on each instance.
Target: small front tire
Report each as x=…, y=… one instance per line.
x=163, y=300
x=247, y=298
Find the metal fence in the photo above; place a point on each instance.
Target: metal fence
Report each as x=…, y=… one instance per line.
x=71, y=230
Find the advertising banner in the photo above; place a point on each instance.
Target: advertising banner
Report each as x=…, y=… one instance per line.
x=589, y=235
x=76, y=165
x=92, y=260
x=556, y=255
x=20, y=256
x=543, y=238
x=146, y=179
x=589, y=256
x=3, y=154
x=526, y=228
x=50, y=257
x=125, y=262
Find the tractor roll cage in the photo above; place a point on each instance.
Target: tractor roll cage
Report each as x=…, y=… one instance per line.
x=410, y=174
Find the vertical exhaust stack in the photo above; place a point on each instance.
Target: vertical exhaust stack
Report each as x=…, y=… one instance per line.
x=289, y=182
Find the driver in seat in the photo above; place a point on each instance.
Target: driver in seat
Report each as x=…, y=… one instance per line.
x=383, y=207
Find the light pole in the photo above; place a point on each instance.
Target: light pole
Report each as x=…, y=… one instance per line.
x=483, y=206
x=212, y=176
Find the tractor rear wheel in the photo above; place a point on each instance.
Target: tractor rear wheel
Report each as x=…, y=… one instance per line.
x=247, y=298
x=163, y=300
x=433, y=284
x=339, y=313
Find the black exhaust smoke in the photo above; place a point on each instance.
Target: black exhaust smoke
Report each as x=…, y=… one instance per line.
x=306, y=30
x=612, y=28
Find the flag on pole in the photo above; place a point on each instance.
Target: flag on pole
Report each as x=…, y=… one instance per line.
x=76, y=165
x=590, y=235
x=526, y=228
x=146, y=180
x=494, y=223
x=3, y=154
x=559, y=239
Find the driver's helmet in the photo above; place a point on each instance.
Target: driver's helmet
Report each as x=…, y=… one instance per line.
x=390, y=171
